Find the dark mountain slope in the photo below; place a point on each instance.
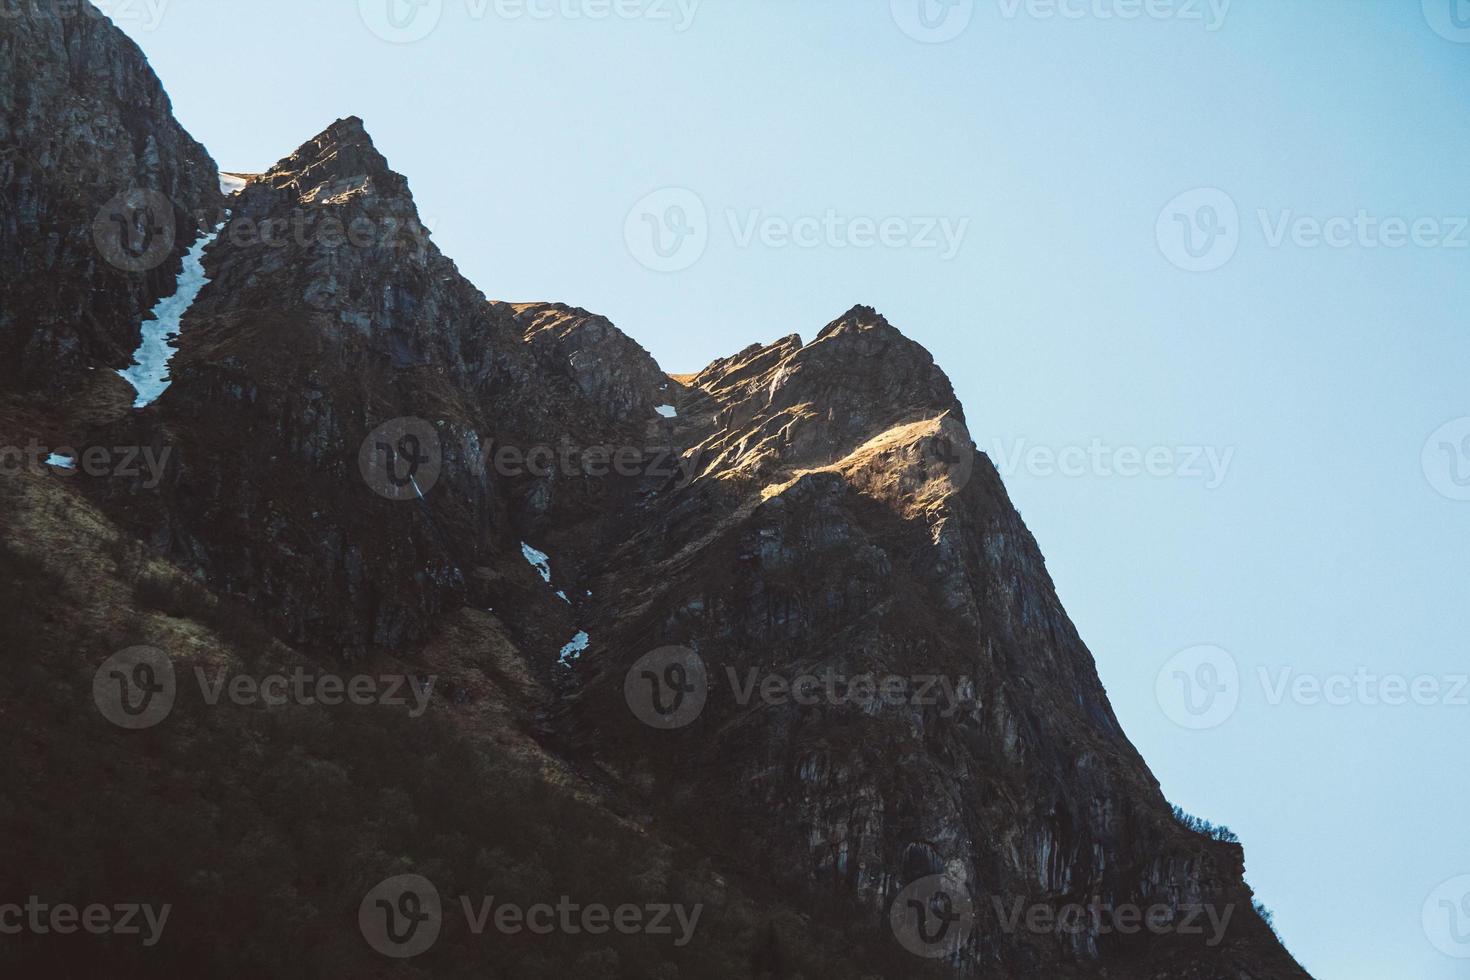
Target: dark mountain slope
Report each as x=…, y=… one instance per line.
x=101, y=192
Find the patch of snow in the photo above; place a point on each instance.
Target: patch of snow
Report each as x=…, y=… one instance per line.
x=562, y=596
x=538, y=560
x=232, y=185
x=667, y=411
x=65, y=462
x=574, y=649
x=149, y=372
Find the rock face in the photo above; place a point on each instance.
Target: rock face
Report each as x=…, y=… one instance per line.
x=364, y=450
x=608, y=366
x=330, y=314
x=843, y=527
x=103, y=192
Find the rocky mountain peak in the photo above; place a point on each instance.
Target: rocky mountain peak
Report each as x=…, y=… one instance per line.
x=800, y=406
x=903, y=368
x=340, y=159
x=607, y=365
x=860, y=317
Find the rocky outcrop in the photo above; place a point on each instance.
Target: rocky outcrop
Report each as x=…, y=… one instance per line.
x=101, y=193
x=329, y=314
x=332, y=325
x=609, y=367
x=843, y=527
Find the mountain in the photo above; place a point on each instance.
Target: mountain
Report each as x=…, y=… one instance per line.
x=103, y=193
x=769, y=640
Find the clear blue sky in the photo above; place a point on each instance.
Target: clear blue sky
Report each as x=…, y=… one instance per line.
x=1064, y=317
